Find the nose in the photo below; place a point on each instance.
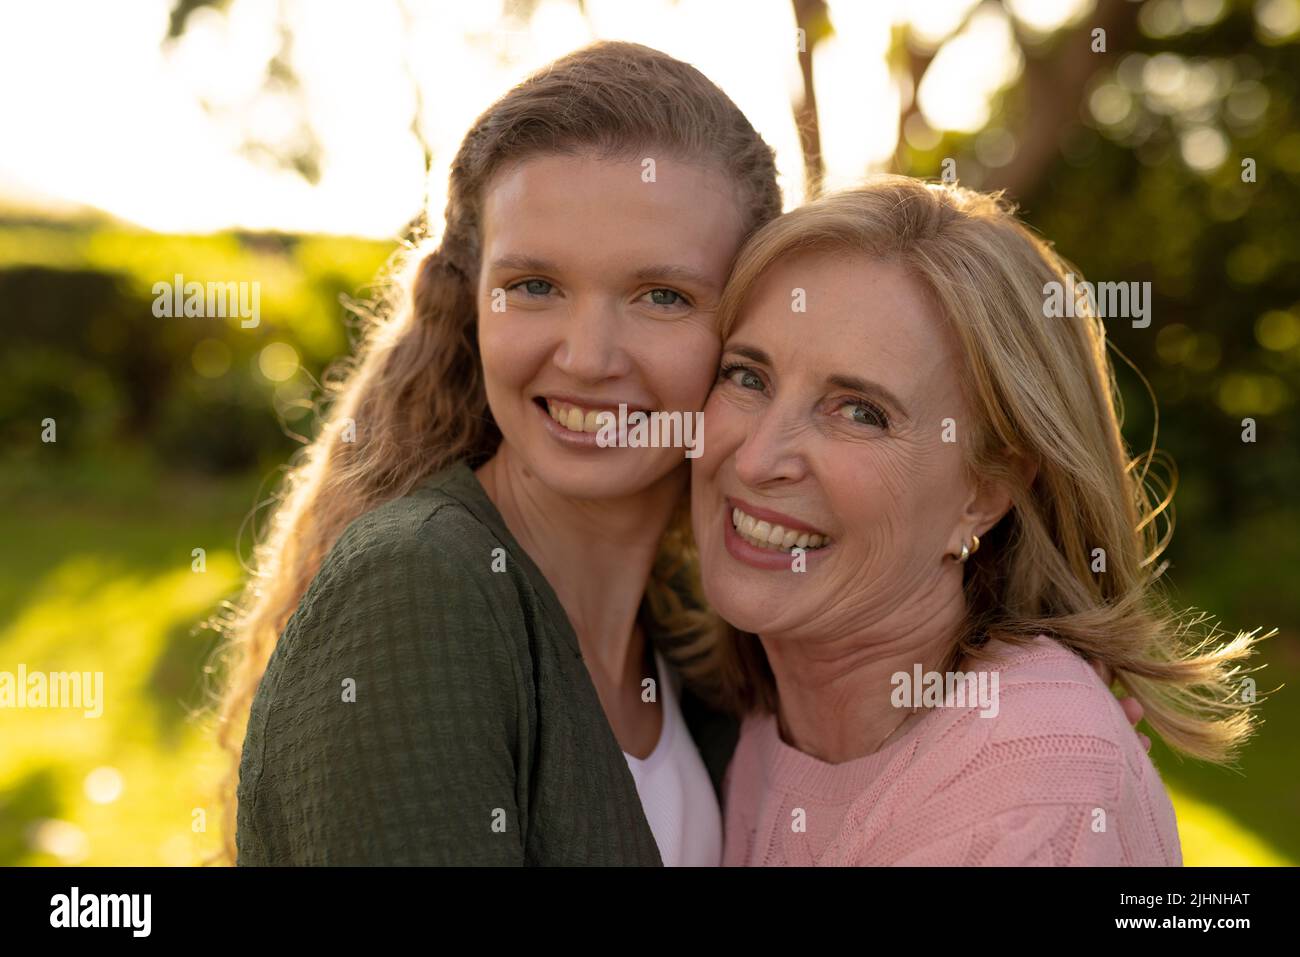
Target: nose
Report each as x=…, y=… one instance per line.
x=593, y=344
x=773, y=451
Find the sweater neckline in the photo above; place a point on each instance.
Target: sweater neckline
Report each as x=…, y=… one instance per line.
x=788, y=768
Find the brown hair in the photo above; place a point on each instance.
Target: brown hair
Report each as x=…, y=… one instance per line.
x=414, y=392
x=1043, y=389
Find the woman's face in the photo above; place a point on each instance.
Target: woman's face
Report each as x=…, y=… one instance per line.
x=830, y=422
x=599, y=288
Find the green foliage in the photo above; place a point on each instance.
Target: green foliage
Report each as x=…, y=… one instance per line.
x=88, y=351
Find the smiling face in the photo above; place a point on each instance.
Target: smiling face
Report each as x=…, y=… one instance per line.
x=829, y=422
x=609, y=286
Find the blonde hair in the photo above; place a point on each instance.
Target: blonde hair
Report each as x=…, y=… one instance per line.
x=414, y=392
x=1041, y=389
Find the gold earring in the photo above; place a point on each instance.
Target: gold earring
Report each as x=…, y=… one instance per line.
x=968, y=550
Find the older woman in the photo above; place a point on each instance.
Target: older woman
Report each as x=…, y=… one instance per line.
x=916, y=512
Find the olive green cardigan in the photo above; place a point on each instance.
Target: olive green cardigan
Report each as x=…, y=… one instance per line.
x=424, y=708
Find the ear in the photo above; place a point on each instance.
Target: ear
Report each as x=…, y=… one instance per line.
x=991, y=498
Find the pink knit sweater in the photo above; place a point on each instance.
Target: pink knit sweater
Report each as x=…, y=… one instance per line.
x=1057, y=777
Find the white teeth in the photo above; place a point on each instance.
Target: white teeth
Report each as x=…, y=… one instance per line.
x=776, y=537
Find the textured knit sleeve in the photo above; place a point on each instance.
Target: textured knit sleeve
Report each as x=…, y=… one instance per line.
x=1047, y=835
x=387, y=727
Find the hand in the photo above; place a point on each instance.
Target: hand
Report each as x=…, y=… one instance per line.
x=1131, y=706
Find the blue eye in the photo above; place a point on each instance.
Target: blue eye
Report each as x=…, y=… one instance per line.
x=534, y=287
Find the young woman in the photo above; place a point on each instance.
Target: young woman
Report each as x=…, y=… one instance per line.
x=951, y=467
x=467, y=632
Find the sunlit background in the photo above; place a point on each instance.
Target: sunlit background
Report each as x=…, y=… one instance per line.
x=294, y=144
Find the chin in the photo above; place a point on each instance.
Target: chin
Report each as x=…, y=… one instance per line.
x=616, y=476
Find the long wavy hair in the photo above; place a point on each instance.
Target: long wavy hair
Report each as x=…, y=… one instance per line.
x=411, y=400
x=1045, y=390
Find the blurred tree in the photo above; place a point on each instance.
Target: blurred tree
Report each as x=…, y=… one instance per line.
x=813, y=23
x=297, y=147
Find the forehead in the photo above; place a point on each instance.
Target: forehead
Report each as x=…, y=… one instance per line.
x=862, y=316
x=582, y=209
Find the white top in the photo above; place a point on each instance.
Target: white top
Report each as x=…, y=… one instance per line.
x=675, y=789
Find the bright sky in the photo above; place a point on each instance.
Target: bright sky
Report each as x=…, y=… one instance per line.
x=95, y=111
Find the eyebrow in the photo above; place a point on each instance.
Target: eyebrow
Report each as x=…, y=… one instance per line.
x=531, y=263
x=667, y=271
x=675, y=273
x=839, y=380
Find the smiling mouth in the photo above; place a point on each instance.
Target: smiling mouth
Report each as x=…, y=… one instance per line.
x=577, y=418
x=777, y=538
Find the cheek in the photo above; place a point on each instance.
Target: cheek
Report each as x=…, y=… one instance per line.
x=510, y=350
x=940, y=493
x=681, y=368
x=725, y=428
x=885, y=495
x=907, y=500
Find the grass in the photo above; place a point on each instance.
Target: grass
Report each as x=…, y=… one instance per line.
x=109, y=587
